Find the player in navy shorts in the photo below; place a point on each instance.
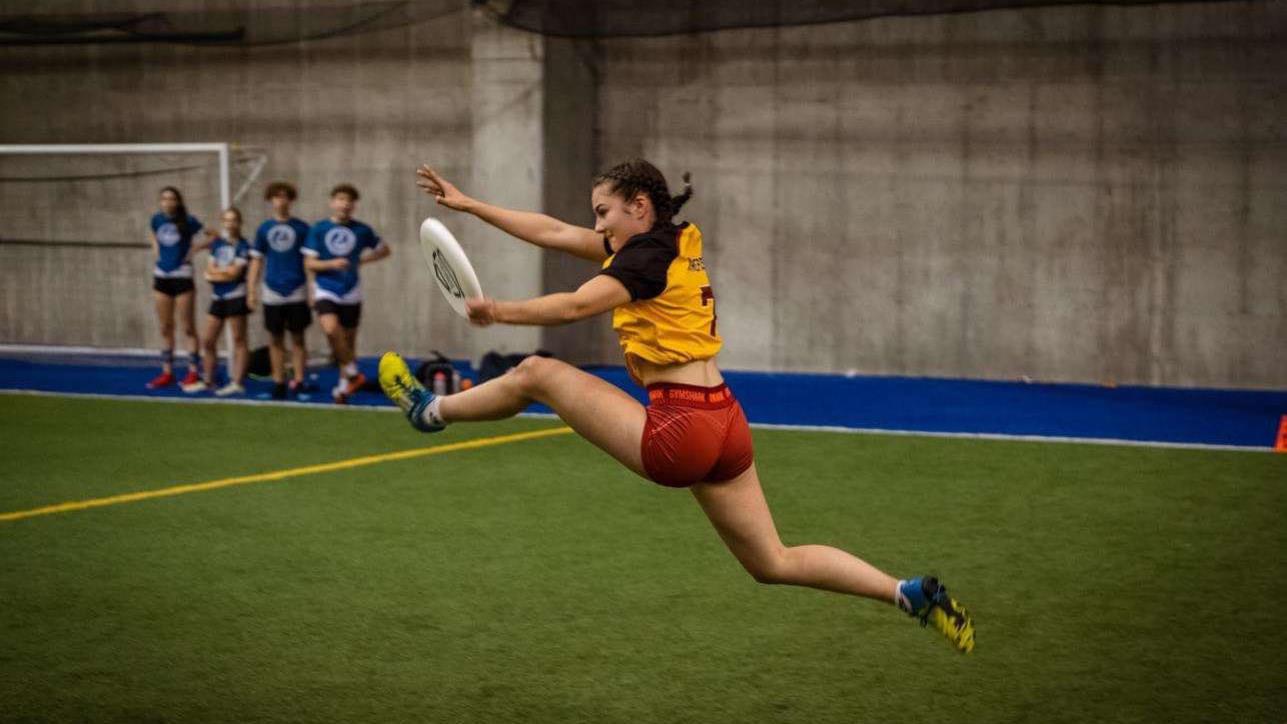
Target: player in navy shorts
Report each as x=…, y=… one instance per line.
x=172, y=235
x=226, y=272
x=275, y=259
x=336, y=247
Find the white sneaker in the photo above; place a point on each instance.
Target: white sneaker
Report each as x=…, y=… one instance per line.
x=230, y=389
x=195, y=387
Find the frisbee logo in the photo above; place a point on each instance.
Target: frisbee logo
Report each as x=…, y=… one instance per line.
x=225, y=255
x=167, y=235
x=446, y=276
x=281, y=238
x=340, y=241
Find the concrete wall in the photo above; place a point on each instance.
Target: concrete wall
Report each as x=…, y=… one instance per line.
x=1073, y=193
x=362, y=108
x=1081, y=193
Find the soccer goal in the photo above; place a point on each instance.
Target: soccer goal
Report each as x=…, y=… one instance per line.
x=74, y=236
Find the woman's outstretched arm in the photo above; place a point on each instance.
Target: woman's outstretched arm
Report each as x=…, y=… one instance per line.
x=544, y=231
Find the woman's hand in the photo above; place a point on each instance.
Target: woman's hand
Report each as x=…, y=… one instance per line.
x=481, y=310
x=441, y=189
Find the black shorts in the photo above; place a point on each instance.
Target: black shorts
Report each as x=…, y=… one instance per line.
x=224, y=308
x=349, y=314
x=293, y=316
x=172, y=286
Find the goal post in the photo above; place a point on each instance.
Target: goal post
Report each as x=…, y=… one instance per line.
x=225, y=175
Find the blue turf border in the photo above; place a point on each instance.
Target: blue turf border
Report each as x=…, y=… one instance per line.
x=934, y=405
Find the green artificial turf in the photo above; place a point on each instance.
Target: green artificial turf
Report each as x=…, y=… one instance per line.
x=538, y=581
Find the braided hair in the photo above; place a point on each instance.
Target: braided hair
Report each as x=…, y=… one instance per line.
x=180, y=211
x=637, y=176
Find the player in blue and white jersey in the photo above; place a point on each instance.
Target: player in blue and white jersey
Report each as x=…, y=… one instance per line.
x=226, y=272
x=335, y=249
x=275, y=259
x=172, y=235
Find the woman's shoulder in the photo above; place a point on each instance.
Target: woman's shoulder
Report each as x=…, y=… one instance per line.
x=665, y=237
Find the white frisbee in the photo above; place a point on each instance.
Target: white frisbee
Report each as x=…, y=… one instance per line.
x=449, y=265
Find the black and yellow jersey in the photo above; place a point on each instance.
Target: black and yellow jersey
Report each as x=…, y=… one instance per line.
x=670, y=318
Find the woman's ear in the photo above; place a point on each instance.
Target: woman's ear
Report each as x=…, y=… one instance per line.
x=640, y=205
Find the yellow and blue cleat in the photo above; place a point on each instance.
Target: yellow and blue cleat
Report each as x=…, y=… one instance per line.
x=926, y=599
x=405, y=391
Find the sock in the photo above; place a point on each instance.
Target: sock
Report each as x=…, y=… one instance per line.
x=909, y=595
x=194, y=361
x=167, y=357
x=430, y=414
x=350, y=369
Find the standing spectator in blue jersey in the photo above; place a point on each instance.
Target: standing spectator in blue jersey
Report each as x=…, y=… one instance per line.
x=172, y=232
x=276, y=259
x=226, y=272
x=335, y=249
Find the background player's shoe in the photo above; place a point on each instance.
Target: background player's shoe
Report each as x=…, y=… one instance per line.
x=926, y=599
x=165, y=379
x=194, y=387
x=230, y=389
x=191, y=378
x=406, y=391
x=353, y=384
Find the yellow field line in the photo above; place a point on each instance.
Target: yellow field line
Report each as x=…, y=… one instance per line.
x=281, y=474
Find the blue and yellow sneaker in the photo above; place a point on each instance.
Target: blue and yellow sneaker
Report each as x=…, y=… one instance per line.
x=406, y=391
x=926, y=599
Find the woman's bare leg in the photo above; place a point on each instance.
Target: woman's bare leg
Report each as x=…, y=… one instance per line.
x=210, y=342
x=597, y=410
x=240, y=351
x=741, y=516
x=184, y=304
x=165, y=317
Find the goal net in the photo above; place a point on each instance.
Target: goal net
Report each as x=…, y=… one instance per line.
x=74, y=238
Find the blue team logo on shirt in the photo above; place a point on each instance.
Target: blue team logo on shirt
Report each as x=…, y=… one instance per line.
x=340, y=241
x=282, y=238
x=167, y=234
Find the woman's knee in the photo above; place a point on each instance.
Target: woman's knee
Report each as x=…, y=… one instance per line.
x=769, y=567
x=533, y=372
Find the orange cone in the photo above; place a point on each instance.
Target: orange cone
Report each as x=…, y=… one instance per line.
x=1281, y=445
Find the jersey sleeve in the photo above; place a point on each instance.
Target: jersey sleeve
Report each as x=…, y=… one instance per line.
x=641, y=266
x=242, y=254
x=373, y=240
x=194, y=224
x=313, y=244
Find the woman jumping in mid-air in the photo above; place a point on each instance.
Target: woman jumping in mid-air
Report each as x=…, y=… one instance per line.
x=692, y=434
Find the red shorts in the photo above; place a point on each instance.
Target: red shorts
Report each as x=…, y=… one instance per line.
x=694, y=434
